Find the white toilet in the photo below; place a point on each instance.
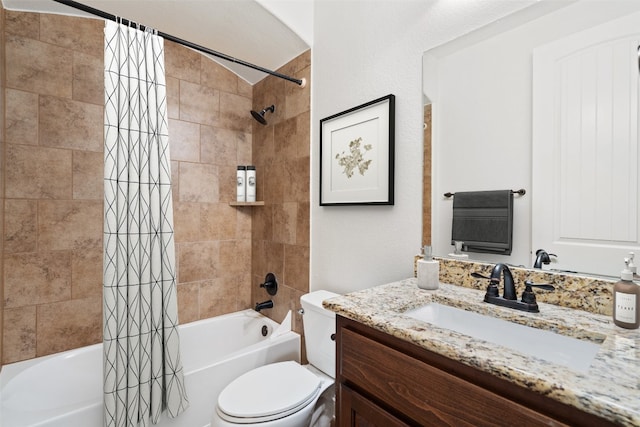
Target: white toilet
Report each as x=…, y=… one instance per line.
x=284, y=394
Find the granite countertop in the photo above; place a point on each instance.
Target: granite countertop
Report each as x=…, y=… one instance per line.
x=610, y=388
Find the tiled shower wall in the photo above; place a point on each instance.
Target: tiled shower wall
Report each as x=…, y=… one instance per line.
x=2, y=144
x=280, y=236
x=53, y=211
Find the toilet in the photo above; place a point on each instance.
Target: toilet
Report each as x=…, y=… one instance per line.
x=285, y=394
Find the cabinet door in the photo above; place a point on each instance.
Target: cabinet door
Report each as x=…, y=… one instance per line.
x=357, y=411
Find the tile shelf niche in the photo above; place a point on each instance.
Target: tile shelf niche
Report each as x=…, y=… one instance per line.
x=246, y=203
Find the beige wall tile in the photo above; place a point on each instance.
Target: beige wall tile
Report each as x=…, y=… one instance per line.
x=20, y=225
x=227, y=184
x=220, y=146
x=37, y=172
x=297, y=64
x=38, y=67
x=175, y=181
x=22, y=24
x=244, y=88
x=243, y=221
x=181, y=62
x=218, y=77
x=262, y=223
x=297, y=98
x=36, y=278
x=184, y=140
x=234, y=258
x=64, y=123
x=296, y=267
x=303, y=225
x=286, y=139
x=173, y=97
x=68, y=324
x=88, y=175
x=235, y=113
x=86, y=273
x=21, y=117
x=19, y=338
x=284, y=222
x=199, y=104
x=88, y=78
x=218, y=296
x=198, y=183
x=298, y=170
x=188, y=302
x=198, y=261
x=218, y=221
x=69, y=224
x=186, y=222
x=83, y=35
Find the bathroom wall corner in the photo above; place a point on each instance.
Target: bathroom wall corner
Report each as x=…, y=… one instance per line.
x=2, y=160
x=281, y=153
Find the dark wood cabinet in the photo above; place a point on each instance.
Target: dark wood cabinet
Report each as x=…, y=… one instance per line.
x=384, y=381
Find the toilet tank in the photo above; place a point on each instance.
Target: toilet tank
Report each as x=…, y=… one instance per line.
x=319, y=326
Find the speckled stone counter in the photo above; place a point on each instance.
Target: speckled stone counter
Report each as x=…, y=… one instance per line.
x=610, y=388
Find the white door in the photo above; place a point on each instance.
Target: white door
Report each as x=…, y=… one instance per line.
x=585, y=178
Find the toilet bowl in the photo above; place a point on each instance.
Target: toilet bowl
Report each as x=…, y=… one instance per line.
x=285, y=394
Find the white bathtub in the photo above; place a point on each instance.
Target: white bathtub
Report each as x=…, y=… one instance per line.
x=65, y=389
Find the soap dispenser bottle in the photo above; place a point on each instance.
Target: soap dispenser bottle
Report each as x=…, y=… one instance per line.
x=626, y=300
x=632, y=266
x=428, y=270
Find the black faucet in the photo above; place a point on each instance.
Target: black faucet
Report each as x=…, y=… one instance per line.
x=263, y=305
x=542, y=257
x=509, y=286
x=508, y=298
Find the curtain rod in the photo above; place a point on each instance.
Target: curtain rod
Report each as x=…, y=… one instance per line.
x=105, y=15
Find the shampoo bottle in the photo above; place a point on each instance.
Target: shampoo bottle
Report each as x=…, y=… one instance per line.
x=626, y=300
x=428, y=270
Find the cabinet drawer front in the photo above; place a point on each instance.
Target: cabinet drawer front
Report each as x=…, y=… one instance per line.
x=357, y=411
x=422, y=392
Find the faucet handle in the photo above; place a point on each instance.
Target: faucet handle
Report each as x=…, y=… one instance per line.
x=528, y=296
x=545, y=286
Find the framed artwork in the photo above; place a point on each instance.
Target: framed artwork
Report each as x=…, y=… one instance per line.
x=357, y=155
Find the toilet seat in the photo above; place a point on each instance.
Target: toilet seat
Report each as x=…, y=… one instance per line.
x=268, y=393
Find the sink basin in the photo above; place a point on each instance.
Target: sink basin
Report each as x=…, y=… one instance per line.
x=555, y=348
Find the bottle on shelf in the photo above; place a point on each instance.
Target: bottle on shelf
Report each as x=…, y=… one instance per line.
x=251, y=183
x=241, y=179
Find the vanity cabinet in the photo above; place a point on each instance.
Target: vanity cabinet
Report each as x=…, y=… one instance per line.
x=384, y=381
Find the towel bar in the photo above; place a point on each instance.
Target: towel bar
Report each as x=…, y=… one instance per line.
x=521, y=192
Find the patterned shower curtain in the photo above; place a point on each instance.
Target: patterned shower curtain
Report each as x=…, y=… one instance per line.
x=142, y=368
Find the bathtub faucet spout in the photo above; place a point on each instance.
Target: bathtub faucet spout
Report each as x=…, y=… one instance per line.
x=263, y=305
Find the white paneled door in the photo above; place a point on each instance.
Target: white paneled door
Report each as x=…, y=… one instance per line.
x=585, y=147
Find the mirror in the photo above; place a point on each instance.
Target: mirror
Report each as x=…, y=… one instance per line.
x=481, y=92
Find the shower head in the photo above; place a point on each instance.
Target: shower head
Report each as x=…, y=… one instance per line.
x=260, y=116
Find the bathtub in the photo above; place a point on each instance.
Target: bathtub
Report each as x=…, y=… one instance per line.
x=65, y=389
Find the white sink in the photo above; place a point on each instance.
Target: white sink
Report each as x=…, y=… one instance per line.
x=555, y=348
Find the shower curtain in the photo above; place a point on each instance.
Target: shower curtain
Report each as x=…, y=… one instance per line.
x=142, y=368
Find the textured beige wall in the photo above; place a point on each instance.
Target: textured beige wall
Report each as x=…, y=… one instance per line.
x=280, y=236
x=53, y=212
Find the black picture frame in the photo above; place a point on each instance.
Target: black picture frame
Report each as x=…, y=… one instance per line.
x=357, y=155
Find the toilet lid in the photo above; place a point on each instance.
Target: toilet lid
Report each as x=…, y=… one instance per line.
x=272, y=391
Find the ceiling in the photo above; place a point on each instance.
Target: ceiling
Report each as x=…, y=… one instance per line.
x=242, y=29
